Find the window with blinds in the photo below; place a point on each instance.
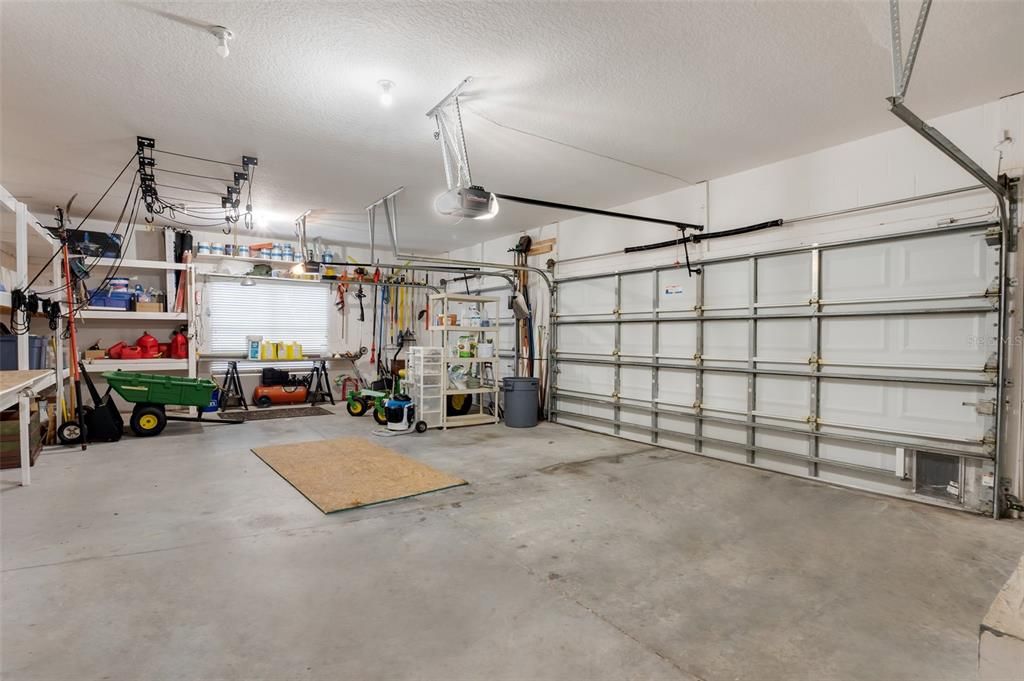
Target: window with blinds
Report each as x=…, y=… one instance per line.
x=278, y=311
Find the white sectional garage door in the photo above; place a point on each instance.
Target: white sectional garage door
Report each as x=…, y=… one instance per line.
x=869, y=364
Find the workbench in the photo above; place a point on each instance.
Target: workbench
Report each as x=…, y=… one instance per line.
x=18, y=388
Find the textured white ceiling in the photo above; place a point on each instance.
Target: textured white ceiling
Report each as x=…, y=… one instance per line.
x=690, y=89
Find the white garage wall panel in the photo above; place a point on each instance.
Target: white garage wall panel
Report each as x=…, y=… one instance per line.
x=860, y=363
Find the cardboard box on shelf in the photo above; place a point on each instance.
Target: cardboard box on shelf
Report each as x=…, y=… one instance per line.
x=149, y=307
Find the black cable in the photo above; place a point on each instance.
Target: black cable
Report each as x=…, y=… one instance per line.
x=117, y=226
x=204, y=177
x=41, y=269
x=177, y=209
x=188, y=189
x=208, y=206
x=198, y=158
x=89, y=214
x=213, y=205
x=192, y=224
x=115, y=267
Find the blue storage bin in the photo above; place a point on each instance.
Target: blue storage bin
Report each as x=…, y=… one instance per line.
x=114, y=301
x=9, y=353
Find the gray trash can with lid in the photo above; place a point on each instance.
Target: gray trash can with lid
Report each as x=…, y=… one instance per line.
x=521, y=402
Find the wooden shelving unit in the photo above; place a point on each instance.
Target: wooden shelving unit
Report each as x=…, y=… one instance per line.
x=442, y=304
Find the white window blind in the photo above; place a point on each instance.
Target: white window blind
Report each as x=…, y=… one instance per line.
x=278, y=311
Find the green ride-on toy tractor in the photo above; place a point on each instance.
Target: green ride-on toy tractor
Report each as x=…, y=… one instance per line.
x=361, y=401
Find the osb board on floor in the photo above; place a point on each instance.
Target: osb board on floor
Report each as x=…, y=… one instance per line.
x=349, y=472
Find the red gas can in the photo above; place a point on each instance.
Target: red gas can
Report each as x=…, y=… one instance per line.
x=149, y=345
x=131, y=352
x=179, y=346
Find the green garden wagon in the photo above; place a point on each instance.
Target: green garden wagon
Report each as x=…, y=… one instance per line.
x=151, y=393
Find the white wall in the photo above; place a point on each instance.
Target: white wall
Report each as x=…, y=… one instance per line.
x=885, y=167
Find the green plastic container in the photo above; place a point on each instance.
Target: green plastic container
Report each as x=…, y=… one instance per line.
x=157, y=389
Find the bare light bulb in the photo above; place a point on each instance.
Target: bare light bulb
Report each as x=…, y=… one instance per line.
x=223, y=36
x=386, y=97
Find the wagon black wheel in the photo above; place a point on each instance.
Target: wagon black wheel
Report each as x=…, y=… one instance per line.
x=355, y=408
x=380, y=417
x=421, y=426
x=69, y=433
x=148, y=420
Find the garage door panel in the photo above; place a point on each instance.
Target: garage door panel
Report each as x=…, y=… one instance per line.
x=864, y=480
x=874, y=456
x=635, y=433
x=782, y=396
x=571, y=405
x=635, y=383
x=637, y=293
x=952, y=263
x=638, y=417
x=636, y=339
x=781, y=463
x=586, y=338
x=568, y=419
x=941, y=264
x=941, y=409
x=727, y=285
x=726, y=340
x=677, y=339
x=677, y=292
x=587, y=297
x=725, y=391
x=939, y=340
x=586, y=378
x=677, y=387
x=677, y=442
x=783, y=442
x=726, y=432
x=724, y=452
x=676, y=424
x=853, y=338
x=901, y=341
x=933, y=409
x=783, y=339
x=857, y=272
x=784, y=279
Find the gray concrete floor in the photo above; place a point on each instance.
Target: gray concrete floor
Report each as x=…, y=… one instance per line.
x=569, y=556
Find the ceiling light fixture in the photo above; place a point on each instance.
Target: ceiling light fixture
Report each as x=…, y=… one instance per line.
x=385, y=95
x=223, y=35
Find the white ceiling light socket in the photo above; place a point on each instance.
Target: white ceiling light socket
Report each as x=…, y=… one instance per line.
x=385, y=92
x=223, y=35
